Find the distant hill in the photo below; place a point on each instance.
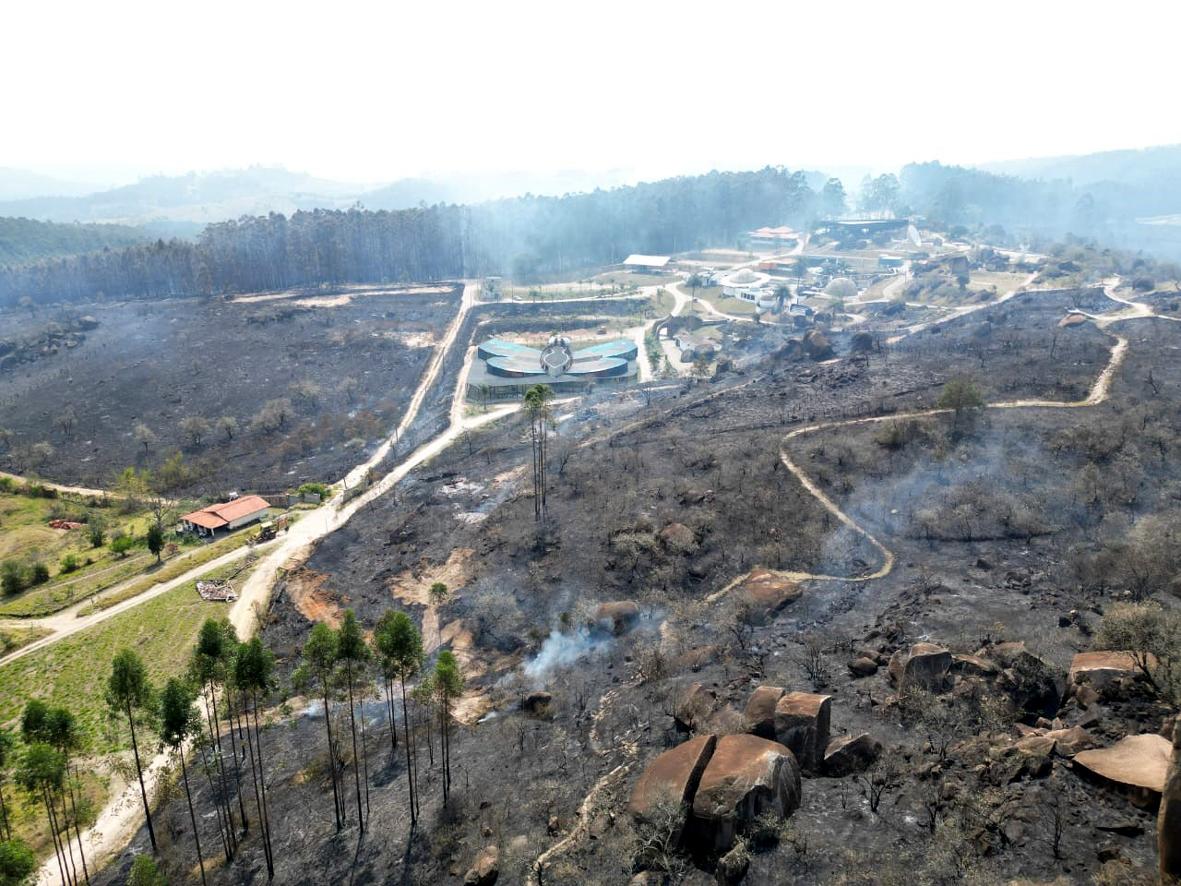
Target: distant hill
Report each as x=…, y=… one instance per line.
x=195, y=197
x=24, y=240
x=20, y=184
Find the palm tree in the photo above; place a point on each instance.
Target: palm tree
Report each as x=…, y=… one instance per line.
x=253, y=668
x=7, y=743
x=130, y=694
x=537, y=399
x=178, y=720
x=353, y=653
x=319, y=664
x=448, y=685
x=399, y=646
x=41, y=772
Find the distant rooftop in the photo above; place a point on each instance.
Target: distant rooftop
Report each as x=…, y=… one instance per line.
x=646, y=261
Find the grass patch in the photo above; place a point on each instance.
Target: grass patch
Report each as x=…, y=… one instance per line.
x=73, y=672
x=12, y=639
x=713, y=295
x=169, y=570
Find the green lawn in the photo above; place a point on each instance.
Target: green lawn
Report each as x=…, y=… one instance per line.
x=73, y=671
x=713, y=295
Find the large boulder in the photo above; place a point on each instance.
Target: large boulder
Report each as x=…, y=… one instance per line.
x=817, y=346
x=924, y=666
x=848, y=754
x=672, y=777
x=765, y=593
x=1168, y=822
x=1101, y=669
x=1033, y=684
x=802, y=724
x=679, y=538
x=485, y=869
x=618, y=617
x=1068, y=742
x=746, y=777
x=694, y=706
x=1135, y=765
x=759, y=715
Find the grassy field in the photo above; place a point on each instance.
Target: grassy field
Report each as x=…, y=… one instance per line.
x=1002, y=280
x=663, y=302
x=170, y=570
x=713, y=295
x=13, y=638
x=73, y=672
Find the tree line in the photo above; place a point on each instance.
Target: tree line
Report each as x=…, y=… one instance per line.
x=526, y=237
x=209, y=719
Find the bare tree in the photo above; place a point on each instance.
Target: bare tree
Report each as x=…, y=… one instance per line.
x=144, y=435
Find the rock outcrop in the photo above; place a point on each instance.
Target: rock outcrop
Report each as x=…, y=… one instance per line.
x=695, y=705
x=679, y=538
x=746, y=777
x=1168, y=822
x=1135, y=765
x=849, y=754
x=924, y=666
x=485, y=869
x=672, y=777
x=759, y=715
x=765, y=594
x=1101, y=669
x=618, y=617
x=801, y=724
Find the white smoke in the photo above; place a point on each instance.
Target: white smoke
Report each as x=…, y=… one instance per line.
x=564, y=649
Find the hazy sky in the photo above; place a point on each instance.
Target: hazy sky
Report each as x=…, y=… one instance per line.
x=375, y=91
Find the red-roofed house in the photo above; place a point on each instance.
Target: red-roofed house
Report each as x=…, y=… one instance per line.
x=228, y=515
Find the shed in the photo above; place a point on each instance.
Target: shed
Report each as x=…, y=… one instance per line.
x=647, y=262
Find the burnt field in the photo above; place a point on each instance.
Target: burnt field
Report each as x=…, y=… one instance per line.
x=1012, y=532
x=254, y=394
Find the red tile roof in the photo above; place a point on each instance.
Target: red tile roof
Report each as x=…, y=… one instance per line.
x=219, y=515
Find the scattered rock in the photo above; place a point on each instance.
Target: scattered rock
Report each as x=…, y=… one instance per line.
x=1068, y=742
x=745, y=777
x=672, y=777
x=618, y=617
x=1033, y=684
x=973, y=665
x=925, y=666
x=1136, y=765
x=759, y=715
x=802, y=724
x=848, y=754
x=485, y=869
x=863, y=667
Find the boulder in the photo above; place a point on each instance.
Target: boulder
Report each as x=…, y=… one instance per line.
x=863, y=667
x=924, y=666
x=759, y=715
x=694, y=707
x=618, y=617
x=537, y=702
x=973, y=666
x=746, y=777
x=1033, y=684
x=1168, y=821
x=1135, y=765
x=1028, y=757
x=678, y=537
x=801, y=724
x=485, y=869
x=817, y=346
x=733, y=865
x=765, y=593
x=848, y=754
x=1068, y=742
x=672, y=777
x=1101, y=669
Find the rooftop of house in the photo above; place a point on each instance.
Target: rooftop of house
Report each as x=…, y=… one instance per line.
x=219, y=515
